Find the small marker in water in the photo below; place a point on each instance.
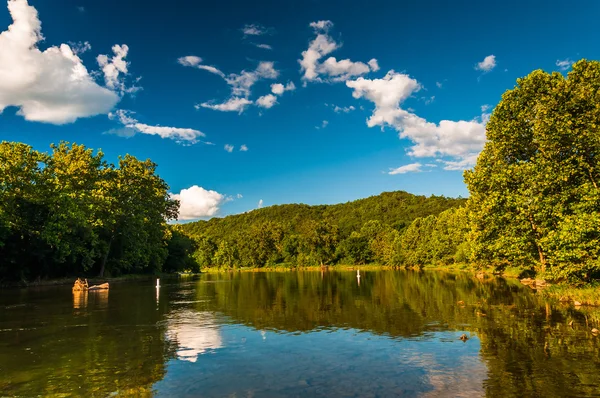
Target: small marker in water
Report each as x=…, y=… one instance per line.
x=158, y=283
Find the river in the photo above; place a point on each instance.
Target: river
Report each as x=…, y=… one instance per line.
x=285, y=334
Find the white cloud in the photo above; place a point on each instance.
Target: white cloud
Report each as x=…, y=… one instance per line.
x=266, y=101
x=278, y=88
x=242, y=82
x=196, y=62
x=80, y=47
x=324, y=124
x=345, y=109
x=321, y=25
x=460, y=141
x=331, y=69
x=244, y=148
x=239, y=196
x=52, y=86
x=115, y=67
x=374, y=65
x=229, y=148
x=174, y=133
x=318, y=48
x=133, y=127
x=429, y=100
x=485, y=108
x=409, y=168
x=564, y=64
x=263, y=46
x=196, y=202
x=234, y=104
x=438, y=84
x=260, y=203
x=254, y=30
x=487, y=64
x=344, y=69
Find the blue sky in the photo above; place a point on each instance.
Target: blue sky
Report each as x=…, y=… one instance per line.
x=413, y=83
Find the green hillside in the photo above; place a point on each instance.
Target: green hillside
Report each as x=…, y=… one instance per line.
x=363, y=231
x=395, y=209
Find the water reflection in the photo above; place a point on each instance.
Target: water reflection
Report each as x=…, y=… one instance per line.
x=194, y=333
x=525, y=346
x=326, y=334
x=97, y=299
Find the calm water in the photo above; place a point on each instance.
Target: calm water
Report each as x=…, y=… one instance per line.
x=391, y=333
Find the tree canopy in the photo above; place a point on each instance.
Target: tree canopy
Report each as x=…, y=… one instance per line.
x=69, y=212
x=534, y=191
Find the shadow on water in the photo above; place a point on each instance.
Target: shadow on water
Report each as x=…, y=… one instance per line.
x=388, y=333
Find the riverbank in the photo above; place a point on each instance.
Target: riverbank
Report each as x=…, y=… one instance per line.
x=92, y=281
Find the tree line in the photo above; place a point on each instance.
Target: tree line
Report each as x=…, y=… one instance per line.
x=69, y=212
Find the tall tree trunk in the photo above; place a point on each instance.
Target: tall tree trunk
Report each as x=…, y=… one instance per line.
x=539, y=249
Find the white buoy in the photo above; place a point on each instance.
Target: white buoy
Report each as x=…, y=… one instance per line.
x=158, y=283
x=358, y=277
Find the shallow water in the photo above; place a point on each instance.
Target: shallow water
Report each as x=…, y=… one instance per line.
x=315, y=334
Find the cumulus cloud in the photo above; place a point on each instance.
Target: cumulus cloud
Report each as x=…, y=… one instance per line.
x=131, y=127
x=266, y=101
x=196, y=202
x=244, y=148
x=331, y=69
x=374, y=65
x=321, y=25
x=115, y=68
x=229, y=148
x=278, y=88
x=487, y=64
x=564, y=64
x=260, y=204
x=52, y=86
x=408, y=168
x=460, y=141
x=193, y=61
x=233, y=104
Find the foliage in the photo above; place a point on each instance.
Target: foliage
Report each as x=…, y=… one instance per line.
x=359, y=232
x=70, y=212
x=534, y=191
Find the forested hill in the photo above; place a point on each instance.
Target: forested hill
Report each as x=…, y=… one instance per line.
x=395, y=209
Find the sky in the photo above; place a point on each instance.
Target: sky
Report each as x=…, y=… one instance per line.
x=249, y=104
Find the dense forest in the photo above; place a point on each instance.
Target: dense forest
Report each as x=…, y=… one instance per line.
x=364, y=231
x=534, y=204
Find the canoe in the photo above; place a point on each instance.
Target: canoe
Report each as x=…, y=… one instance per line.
x=103, y=286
